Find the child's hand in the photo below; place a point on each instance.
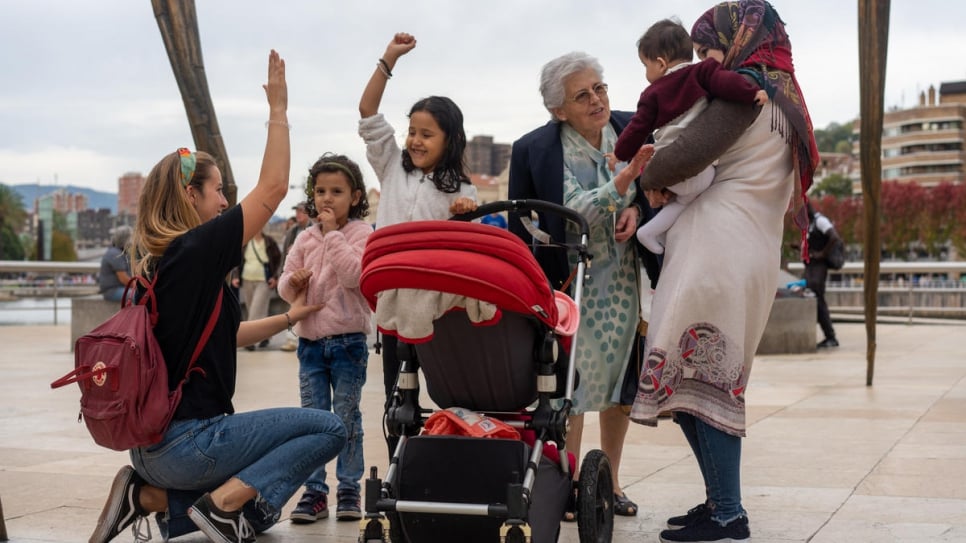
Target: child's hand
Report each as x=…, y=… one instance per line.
x=761, y=97
x=401, y=44
x=462, y=205
x=326, y=220
x=657, y=198
x=611, y=161
x=299, y=279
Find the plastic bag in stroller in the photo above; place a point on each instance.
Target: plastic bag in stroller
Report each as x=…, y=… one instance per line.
x=474, y=312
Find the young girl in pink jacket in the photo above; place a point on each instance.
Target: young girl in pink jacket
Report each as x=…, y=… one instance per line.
x=332, y=349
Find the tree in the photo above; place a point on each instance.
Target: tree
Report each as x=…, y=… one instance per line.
x=834, y=184
x=12, y=216
x=831, y=139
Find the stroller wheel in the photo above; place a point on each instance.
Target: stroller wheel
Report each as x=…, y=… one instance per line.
x=395, y=527
x=595, y=499
x=374, y=530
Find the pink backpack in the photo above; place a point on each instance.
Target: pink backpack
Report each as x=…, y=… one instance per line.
x=122, y=376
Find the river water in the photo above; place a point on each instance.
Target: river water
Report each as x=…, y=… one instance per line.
x=34, y=311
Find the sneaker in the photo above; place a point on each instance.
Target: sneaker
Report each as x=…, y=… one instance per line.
x=220, y=526
x=708, y=530
x=349, y=506
x=312, y=506
x=828, y=343
x=289, y=345
x=122, y=508
x=263, y=344
x=693, y=515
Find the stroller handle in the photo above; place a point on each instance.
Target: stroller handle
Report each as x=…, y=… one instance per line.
x=527, y=205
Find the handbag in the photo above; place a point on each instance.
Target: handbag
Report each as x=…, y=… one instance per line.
x=125, y=400
x=632, y=375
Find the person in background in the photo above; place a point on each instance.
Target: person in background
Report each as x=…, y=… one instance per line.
x=300, y=223
x=425, y=181
x=333, y=355
x=115, y=266
x=494, y=219
x=257, y=277
x=705, y=327
x=821, y=237
x=565, y=162
x=228, y=474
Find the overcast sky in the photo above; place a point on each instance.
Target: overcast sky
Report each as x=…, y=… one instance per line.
x=88, y=94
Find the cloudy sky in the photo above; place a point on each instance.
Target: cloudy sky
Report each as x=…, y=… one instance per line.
x=88, y=94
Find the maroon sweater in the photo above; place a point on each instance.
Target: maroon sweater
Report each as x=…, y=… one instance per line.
x=672, y=95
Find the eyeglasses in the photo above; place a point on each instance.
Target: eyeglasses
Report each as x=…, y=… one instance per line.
x=583, y=97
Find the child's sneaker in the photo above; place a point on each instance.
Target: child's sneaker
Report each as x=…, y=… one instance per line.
x=349, y=507
x=312, y=506
x=220, y=526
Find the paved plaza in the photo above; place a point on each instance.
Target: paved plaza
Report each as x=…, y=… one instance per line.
x=827, y=459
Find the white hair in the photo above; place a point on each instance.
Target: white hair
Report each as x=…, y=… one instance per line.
x=553, y=74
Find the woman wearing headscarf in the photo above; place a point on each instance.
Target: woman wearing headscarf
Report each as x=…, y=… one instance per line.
x=722, y=256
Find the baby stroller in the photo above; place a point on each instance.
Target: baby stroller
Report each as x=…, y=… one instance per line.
x=473, y=310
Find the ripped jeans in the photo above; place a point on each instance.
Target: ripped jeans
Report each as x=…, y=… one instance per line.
x=332, y=371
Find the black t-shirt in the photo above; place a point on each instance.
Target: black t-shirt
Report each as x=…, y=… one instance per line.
x=190, y=273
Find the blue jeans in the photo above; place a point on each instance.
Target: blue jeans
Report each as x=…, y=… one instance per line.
x=271, y=450
x=114, y=294
x=719, y=459
x=332, y=371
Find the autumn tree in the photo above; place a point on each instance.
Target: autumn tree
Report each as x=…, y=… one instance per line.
x=12, y=217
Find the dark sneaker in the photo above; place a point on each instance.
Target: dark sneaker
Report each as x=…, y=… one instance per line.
x=349, y=507
x=220, y=526
x=708, y=530
x=122, y=508
x=827, y=343
x=312, y=506
x=693, y=515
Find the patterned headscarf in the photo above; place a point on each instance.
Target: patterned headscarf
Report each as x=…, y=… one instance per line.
x=754, y=41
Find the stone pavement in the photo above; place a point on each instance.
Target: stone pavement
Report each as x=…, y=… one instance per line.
x=827, y=459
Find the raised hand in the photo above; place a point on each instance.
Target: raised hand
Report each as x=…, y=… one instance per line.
x=276, y=90
x=401, y=44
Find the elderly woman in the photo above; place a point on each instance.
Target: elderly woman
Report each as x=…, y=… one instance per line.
x=564, y=162
x=722, y=257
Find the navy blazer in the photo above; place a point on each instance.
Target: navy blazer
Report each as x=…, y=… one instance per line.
x=536, y=172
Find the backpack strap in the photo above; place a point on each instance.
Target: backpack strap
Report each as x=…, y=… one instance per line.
x=209, y=327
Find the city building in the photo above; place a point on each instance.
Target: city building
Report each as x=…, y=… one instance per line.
x=924, y=144
x=485, y=157
x=128, y=191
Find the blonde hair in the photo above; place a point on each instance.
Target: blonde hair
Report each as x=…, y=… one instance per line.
x=164, y=210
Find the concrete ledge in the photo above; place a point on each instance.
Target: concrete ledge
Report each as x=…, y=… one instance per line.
x=86, y=312
x=790, y=328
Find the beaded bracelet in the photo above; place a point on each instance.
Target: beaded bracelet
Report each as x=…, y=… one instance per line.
x=281, y=123
x=384, y=67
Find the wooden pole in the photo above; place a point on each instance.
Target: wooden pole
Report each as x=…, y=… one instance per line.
x=873, y=45
x=179, y=30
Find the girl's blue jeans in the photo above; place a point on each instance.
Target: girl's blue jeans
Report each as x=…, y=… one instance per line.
x=271, y=450
x=332, y=371
x=719, y=459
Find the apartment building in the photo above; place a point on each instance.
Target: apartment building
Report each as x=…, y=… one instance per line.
x=924, y=144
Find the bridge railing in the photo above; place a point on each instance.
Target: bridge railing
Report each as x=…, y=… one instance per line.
x=906, y=289
x=53, y=280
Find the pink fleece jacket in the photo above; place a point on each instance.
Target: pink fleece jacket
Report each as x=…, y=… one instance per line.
x=336, y=263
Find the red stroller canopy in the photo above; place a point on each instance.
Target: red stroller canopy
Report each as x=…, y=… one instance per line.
x=463, y=258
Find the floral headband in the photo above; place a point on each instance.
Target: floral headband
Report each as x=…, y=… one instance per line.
x=187, y=166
